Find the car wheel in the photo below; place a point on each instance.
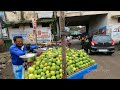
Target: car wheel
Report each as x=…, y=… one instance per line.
x=110, y=53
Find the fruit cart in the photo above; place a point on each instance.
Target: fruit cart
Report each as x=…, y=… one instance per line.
x=43, y=67
x=80, y=74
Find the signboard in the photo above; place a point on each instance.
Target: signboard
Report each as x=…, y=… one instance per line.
x=34, y=23
x=43, y=34
x=45, y=14
x=115, y=32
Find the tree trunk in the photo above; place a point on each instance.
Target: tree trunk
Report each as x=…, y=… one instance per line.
x=62, y=25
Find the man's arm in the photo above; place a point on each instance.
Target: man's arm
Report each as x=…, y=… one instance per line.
x=17, y=51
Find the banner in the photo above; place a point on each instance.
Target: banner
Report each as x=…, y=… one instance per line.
x=115, y=32
x=43, y=34
x=34, y=23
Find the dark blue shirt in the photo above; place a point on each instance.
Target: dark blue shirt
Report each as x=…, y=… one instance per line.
x=15, y=52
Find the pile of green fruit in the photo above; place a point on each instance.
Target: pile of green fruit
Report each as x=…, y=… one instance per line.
x=49, y=64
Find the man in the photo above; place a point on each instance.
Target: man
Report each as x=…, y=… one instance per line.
x=16, y=50
x=83, y=38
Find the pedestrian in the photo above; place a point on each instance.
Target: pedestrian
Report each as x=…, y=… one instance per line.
x=16, y=50
x=52, y=37
x=68, y=41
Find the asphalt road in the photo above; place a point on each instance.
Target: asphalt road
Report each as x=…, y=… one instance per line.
x=108, y=66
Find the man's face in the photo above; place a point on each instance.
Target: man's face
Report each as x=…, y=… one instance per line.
x=19, y=42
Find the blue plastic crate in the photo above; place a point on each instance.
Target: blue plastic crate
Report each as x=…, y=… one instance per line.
x=80, y=74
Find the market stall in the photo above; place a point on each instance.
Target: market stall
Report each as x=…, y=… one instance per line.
x=49, y=65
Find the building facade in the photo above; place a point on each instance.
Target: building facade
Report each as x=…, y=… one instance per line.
x=20, y=23
x=97, y=21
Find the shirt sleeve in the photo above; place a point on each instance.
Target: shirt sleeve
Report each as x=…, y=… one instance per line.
x=33, y=47
x=17, y=51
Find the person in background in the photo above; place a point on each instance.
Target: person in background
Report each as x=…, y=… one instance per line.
x=16, y=50
x=68, y=40
x=103, y=32
x=83, y=38
x=90, y=37
x=52, y=37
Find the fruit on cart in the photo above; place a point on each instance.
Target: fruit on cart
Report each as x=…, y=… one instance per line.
x=48, y=75
x=39, y=71
x=35, y=71
x=42, y=74
x=57, y=72
x=49, y=64
x=53, y=68
x=37, y=67
x=37, y=63
x=41, y=66
x=31, y=76
x=38, y=76
x=48, y=67
x=53, y=77
x=58, y=76
x=42, y=77
x=35, y=75
x=31, y=69
x=52, y=73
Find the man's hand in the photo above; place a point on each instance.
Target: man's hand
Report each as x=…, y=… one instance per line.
x=30, y=63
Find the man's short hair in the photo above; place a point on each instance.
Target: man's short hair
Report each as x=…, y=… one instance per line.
x=17, y=37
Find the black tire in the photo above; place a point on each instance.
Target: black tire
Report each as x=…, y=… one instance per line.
x=110, y=53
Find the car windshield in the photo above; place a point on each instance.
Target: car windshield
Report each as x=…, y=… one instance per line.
x=102, y=38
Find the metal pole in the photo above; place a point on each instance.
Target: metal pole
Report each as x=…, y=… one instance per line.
x=62, y=25
x=35, y=30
